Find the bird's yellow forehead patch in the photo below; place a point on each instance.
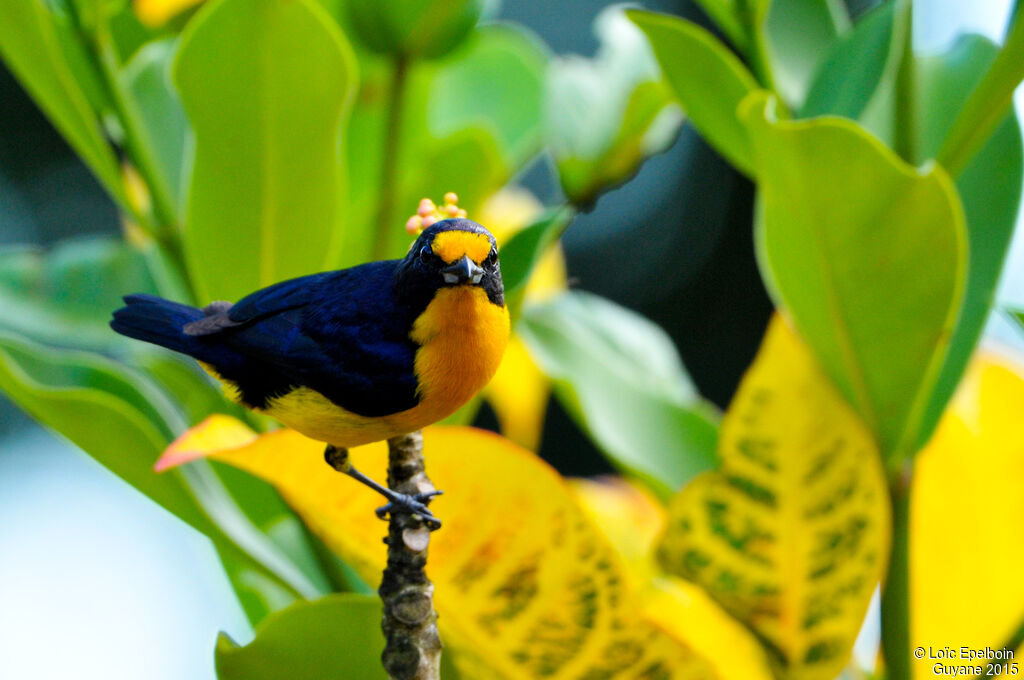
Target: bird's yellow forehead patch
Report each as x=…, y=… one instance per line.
x=452, y=245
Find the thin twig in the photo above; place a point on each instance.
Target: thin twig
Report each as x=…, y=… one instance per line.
x=413, y=648
x=389, y=163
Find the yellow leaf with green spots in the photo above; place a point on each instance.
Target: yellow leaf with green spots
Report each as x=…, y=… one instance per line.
x=791, y=533
x=526, y=586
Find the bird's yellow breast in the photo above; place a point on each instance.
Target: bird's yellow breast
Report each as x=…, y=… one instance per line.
x=461, y=337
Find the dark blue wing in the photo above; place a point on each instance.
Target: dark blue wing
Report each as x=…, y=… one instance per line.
x=339, y=333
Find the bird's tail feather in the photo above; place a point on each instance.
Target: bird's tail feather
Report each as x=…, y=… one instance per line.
x=156, y=320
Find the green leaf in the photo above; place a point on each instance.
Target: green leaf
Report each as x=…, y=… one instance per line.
x=35, y=49
x=855, y=67
x=265, y=85
x=725, y=15
x=163, y=126
x=989, y=186
x=195, y=393
x=65, y=296
x=494, y=81
x=620, y=377
x=607, y=114
x=334, y=637
x=799, y=34
x=708, y=79
x=413, y=28
x=867, y=254
x=113, y=415
x=985, y=109
x=524, y=250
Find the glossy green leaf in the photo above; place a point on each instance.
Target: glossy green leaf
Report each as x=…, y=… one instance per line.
x=620, y=377
x=34, y=48
x=648, y=126
x=115, y=416
x=524, y=250
x=65, y=296
x=989, y=187
x=334, y=637
x=867, y=254
x=854, y=68
x=985, y=109
x=265, y=85
x=708, y=79
x=605, y=115
x=494, y=81
x=800, y=33
x=163, y=126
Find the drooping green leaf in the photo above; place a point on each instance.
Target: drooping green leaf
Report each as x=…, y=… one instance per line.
x=799, y=34
x=649, y=126
x=164, y=127
x=855, y=67
x=619, y=375
x=494, y=81
x=115, y=416
x=708, y=79
x=65, y=296
x=524, y=250
x=988, y=103
x=867, y=254
x=605, y=115
x=265, y=86
x=31, y=44
x=989, y=187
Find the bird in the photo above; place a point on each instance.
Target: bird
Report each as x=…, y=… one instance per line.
x=352, y=356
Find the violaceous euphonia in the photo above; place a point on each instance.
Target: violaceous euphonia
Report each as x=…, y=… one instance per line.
x=353, y=356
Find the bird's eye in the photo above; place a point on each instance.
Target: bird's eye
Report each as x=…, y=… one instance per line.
x=426, y=254
x=492, y=256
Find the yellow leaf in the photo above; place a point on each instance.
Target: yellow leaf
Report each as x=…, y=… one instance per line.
x=629, y=517
x=967, y=518
x=791, y=533
x=525, y=585
x=632, y=520
x=519, y=391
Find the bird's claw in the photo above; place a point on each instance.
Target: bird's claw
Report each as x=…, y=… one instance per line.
x=414, y=504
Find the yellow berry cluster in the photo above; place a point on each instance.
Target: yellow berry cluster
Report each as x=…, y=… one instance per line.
x=428, y=213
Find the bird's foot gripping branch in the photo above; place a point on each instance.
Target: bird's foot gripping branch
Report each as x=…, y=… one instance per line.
x=414, y=503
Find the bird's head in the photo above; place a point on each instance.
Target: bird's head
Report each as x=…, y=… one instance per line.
x=455, y=252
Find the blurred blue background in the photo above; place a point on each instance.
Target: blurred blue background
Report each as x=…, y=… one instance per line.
x=98, y=582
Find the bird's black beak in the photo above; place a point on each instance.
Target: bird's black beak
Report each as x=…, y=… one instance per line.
x=463, y=271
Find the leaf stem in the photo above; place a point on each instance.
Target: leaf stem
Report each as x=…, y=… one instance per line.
x=389, y=165
x=896, y=591
x=905, y=133
x=413, y=646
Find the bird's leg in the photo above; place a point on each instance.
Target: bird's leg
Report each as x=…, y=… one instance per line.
x=337, y=458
